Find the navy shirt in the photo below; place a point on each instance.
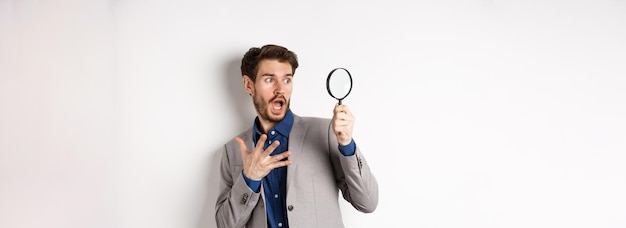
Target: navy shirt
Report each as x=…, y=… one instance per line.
x=275, y=183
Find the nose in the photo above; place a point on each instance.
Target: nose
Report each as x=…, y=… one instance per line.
x=279, y=89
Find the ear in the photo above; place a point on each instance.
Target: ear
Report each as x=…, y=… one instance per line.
x=248, y=84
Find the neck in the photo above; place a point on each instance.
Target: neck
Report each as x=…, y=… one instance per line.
x=266, y=125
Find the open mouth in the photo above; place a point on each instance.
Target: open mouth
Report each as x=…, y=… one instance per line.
x=278, y=104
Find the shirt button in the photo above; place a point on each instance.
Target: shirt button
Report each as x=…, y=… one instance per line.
x=270, y=142
x=280, y=224
x=275, y=196
x=273, y=132
x=290, y=207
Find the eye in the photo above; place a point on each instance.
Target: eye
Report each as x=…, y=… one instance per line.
x=287, y=80
x=269, y=80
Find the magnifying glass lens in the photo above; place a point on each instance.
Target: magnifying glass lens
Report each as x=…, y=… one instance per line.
x=339, y=83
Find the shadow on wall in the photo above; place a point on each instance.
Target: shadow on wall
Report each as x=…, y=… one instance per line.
x=239, y=100
x=241, y=110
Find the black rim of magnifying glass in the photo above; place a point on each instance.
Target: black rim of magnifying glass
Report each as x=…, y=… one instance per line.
x=328, y=83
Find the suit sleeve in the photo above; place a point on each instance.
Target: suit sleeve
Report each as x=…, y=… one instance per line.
x=235, y=201
x=354, y=177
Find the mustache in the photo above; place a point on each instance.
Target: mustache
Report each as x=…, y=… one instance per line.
x=278, y=97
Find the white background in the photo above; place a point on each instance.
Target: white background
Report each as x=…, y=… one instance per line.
x=471, y=113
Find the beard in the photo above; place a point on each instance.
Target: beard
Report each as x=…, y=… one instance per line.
x=263, y=108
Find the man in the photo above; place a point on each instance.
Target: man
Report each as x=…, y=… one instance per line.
x=287, y=170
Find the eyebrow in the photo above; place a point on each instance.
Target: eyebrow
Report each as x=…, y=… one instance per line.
x=272, y=75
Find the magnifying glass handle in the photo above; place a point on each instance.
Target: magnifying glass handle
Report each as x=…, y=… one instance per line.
x=339, y=102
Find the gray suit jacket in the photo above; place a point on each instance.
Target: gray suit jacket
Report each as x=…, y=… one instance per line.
x=317, y=172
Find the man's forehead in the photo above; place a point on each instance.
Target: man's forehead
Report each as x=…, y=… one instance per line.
x=274, y=68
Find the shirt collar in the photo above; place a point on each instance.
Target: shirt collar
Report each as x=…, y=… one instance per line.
x=283, y=127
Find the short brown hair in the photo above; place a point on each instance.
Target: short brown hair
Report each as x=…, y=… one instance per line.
x=250, y=61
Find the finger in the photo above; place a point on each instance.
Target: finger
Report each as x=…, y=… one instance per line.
x=242, y=145
x=341, y=116
x=272, y=147
x=280, y=164
x=260, y=143
x=281, y=156
x=346, y=110
x=340, y=125
x=337, y=109
x=342, y=109
x=340, y=130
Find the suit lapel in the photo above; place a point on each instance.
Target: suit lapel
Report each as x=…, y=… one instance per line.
x=296, y=140
x=248, y=139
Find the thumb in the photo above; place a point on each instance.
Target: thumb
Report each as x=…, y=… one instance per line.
x=242, y=146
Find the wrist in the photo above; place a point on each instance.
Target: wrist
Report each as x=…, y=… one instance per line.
x=250, y=176
x=344, y=141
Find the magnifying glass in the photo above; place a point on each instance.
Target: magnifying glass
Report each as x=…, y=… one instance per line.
x=339, y=83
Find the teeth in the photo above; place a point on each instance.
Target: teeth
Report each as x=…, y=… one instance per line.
x=277, y=105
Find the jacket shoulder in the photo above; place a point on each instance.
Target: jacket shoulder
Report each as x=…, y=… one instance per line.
x=245, y=135
x=312, y=121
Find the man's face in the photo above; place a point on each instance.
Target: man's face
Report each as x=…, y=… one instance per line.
x=271, y=92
